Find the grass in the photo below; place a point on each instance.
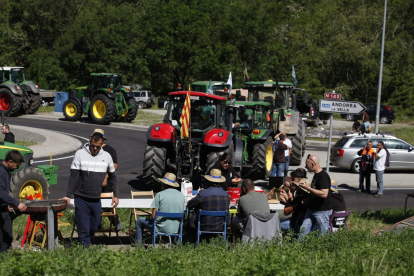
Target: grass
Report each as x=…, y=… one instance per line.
x=23, y=143
x=147, y=118
x=322, y=139
x=46, y=109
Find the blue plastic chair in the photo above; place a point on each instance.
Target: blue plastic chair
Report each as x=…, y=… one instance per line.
x=172, y=216
x=212, y=214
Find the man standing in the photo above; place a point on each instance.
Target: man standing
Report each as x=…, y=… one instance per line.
x=89, y=168
x=367, y=155
x=379, y=167
x=320, y=208
x=279, y=159
x=288, y=152
x=169, y=200
x=8, y=136
x=12, y=162
x=250, y=202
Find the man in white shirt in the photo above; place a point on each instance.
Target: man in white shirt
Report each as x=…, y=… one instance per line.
x=288, y=143
x=379, y=167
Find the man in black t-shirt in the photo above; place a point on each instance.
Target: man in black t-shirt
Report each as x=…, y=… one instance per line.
x=320, y=207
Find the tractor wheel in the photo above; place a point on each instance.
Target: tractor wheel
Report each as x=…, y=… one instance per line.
x=9, y=103
x=262, y=158
x=155, y=157
x=34, y=105
x=28, y=181
x=298, y=146
x=129, y=115
x=72, y=110
x=102, y=110
x=141, y=105
x=213, y=156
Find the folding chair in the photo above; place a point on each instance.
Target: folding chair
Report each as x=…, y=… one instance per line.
x=212, y=214
x=137, y=212
x=112, y=218
x=340, y=218
x=170, y=216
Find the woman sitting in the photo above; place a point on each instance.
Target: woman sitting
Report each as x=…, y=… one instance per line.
x=227, y=170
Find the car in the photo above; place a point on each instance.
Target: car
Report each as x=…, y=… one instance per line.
x=387, y=114
x=144, y=98
x=344, y=152
x=162, y=103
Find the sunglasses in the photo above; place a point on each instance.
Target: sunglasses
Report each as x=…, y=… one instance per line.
x=95, y=147
x=226, y=162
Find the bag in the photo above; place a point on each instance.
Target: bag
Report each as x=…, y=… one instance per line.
x=187, y=189
x=387, y=159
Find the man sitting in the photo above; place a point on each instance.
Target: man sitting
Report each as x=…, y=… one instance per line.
x=169, y=200
x=250, y=202
x=212, y=198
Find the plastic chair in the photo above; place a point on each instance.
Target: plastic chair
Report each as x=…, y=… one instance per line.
x=137, y=212
x=335, y=216
x=212, y=214
x=171, y=216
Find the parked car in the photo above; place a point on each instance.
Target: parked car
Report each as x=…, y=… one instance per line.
x=344, y=152
x=144, y=98
x=387, y=114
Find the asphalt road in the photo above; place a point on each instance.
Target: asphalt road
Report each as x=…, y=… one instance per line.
x=130, y=146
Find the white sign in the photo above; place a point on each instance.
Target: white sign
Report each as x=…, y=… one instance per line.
x=335, y=106
x=333, y=96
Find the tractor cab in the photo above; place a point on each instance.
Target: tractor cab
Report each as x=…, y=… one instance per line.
x=219, y=88
x=108, y=82
x=13, y=75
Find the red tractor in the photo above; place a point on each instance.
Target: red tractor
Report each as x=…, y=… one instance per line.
x=210, y=136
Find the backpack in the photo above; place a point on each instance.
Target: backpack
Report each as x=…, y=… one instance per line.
x=387, y=159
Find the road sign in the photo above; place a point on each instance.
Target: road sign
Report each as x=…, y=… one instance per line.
x=333, y=96
x=336, y=106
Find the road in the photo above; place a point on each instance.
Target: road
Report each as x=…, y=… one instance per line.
x=130, y=146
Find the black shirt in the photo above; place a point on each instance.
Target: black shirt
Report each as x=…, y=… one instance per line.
x=298, y=208
x=229, y=174
x=9, y=137
x=112, y=153
x=320, y=181
x=338, y=202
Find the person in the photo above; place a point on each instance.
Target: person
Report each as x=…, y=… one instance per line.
x=10, y=163
x=8, y=136
x=356, y=127
x=105, y=187
x=206, y=114
x=279, y=159
x=293, y=199
x=251, y=201
x=367, y=154
x=379, y=167
x=337, y=199
x=365, y=122
x=319, y=204
x=168, y=200
x=227, y=170
x=243, y=118
x=87, y=173
x=212, y=198
x=288, y=152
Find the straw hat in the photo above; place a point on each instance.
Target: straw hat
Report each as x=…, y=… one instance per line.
x=98, y=130
x=215, y=176
x=169, y=179
x=303, y=180
x=333, y=185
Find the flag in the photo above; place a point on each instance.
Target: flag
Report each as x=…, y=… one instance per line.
x=210, y=88
x=185, y=116
x=246, y=76
x=230, y=82
x=294, y=80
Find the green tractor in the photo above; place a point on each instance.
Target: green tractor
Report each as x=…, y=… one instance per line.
x=219, y=88
x=286, y=116
x=252, y=123
x=18, y=95
x=28, y=180
x=103, y=99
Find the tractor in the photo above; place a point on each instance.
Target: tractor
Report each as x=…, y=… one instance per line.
x=209, y=137
x=286, y=116
x=219, y=88
x=103, y=99
x=29, y=180
x=18, y=95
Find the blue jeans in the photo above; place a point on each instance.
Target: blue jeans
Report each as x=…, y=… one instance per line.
x=363, y=174
x=380, y=181
x=143, y=222
x=285, y=224
x=277, y=169
x=313, y=218
x=87, y=218
x=287, y=165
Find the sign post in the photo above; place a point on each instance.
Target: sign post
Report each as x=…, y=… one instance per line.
x=337, y=106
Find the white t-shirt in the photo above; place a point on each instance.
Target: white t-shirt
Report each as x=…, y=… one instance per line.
x=288, y=143
x=379, y=164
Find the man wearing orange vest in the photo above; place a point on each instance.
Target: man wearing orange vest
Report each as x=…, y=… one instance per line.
x=367, y=155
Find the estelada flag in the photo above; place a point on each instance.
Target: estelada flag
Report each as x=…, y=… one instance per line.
x=185, y=116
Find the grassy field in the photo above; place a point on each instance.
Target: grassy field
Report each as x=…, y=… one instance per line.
x=23, y=143
x=46, y=109
x=147, y=118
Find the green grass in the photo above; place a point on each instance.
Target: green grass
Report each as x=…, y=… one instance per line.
x=147, y=118
x=46, y=109
x=23, y=143
x=322, y=139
